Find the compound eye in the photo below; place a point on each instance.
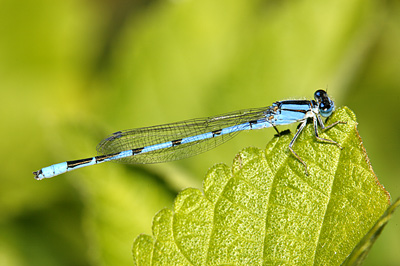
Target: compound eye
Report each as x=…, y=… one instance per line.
x=319, y=94
x=326, y=108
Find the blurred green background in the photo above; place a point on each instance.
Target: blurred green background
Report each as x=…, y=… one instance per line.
x=72, y=72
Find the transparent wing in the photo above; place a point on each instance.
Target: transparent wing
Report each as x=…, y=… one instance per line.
x=147, y=136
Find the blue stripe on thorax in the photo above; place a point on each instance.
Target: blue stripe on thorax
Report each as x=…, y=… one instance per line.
x=295, y=105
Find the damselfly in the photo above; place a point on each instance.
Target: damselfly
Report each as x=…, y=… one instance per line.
x=183, y=139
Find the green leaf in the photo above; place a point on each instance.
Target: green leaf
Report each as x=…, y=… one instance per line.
x=361, y=250
x=265, y=210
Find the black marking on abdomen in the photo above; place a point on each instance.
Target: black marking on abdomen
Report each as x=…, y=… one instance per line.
x=176, y=142
x=252, y=122
x=73, y=164
x=101, y=158
x=216, y=132
x=137, y=151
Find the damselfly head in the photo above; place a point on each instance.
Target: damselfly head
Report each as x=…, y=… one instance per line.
x=325, y=104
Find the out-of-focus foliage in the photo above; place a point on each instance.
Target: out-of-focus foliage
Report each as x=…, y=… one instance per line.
x=71, y=72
